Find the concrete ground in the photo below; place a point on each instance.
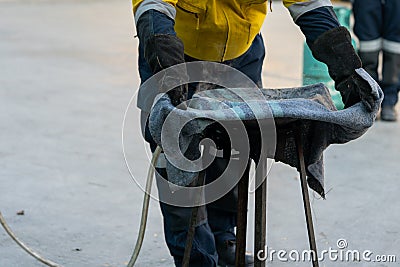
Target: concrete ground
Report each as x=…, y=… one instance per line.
x=67, y=73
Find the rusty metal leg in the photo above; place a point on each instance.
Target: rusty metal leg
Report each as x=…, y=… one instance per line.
x=243, y=186
x=306, y=199
x=193, y=221
x=260, y=215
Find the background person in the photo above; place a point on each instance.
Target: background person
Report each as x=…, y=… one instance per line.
x=377, y=26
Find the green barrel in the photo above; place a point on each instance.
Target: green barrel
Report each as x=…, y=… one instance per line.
x=317, y=72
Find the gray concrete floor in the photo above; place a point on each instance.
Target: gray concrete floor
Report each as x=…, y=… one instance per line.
x=67, y=73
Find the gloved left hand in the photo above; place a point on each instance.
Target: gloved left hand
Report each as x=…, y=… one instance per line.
x=334, y=48
x=163, y=50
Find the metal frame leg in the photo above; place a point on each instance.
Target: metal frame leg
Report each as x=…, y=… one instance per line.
x=243, y=186
x=260, y=216
x=193, y=221
x=306, y=199
x=260, y=213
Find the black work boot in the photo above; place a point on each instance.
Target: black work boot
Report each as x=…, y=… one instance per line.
x=226, y=254
x=388, y=113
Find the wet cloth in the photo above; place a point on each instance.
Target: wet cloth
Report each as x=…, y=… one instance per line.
x=321, y=124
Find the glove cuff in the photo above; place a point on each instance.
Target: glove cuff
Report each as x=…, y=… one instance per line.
x=334, y=48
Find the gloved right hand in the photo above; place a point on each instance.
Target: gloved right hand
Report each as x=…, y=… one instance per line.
x=161, y=51
x=334, y=48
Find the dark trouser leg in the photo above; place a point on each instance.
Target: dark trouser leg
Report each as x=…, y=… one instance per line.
x=368, y=21
x=176, y=225
x=390, y=78
x=203, y=253
x=370, y=61
x=391, y=54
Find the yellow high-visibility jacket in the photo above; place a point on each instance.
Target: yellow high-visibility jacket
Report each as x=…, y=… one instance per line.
x=219, y=30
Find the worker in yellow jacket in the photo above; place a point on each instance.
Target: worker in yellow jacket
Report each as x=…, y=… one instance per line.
x=228, y=31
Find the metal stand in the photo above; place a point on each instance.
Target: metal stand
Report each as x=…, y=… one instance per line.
x=241, y=228
x=306, y=199
x=260, y=220
x=260, y=216
x=193, y=220
x=260, y=212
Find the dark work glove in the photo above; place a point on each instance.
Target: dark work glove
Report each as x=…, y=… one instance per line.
x=334, y=48
x=161, y=51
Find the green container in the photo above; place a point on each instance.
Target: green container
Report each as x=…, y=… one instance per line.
x=317, y=72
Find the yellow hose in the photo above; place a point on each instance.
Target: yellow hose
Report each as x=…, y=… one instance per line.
x=145, y=208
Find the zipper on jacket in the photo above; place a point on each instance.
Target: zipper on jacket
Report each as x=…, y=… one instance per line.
x=227, y=36
x=198, y=21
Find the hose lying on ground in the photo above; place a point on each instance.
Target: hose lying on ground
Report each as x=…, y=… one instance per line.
x=145, y=208
x=142, y=229
x=25, y=247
